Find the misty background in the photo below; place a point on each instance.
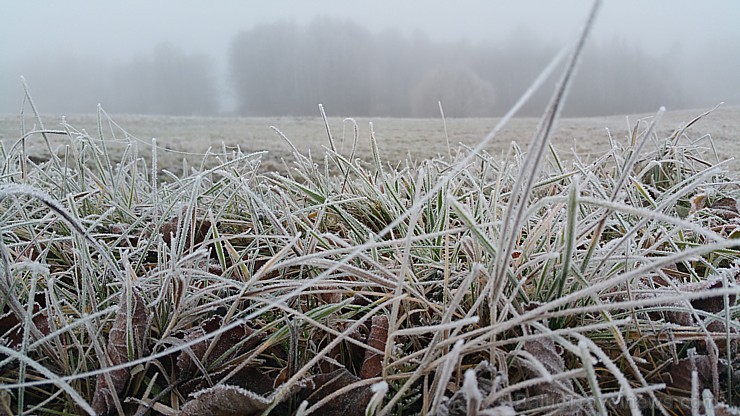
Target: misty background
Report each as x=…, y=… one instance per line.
x=383, y=58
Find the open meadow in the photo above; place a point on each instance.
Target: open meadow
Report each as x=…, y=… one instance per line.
x=398, y=139
x=236, y=284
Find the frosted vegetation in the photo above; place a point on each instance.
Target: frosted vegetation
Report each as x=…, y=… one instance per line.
x=459, y=285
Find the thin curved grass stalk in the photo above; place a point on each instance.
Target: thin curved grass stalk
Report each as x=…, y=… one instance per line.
x=155, y=175
x=328, y=129
x=434, y=328
x=679, y=132
x=586, y=360
x=285, y=388
x=355, y=140
x=13, y=189
x=51, y=378
x=570, y=235
x=523, y=186
x=444, y=125
x=625, y=169
x=443, y=377
x=379, y=391
x=27, y=97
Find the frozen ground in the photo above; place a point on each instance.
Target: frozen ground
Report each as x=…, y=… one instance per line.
x=191, y=137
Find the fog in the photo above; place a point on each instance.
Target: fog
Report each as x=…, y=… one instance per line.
x=381, y=58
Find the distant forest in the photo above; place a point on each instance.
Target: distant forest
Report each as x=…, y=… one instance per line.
x=287, y=69
x=282, y=68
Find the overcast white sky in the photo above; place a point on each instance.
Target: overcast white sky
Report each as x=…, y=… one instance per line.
x=118, y=30
x=122, y=28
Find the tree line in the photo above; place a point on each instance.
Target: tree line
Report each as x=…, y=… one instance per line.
x=285, y=68
x=165, y=81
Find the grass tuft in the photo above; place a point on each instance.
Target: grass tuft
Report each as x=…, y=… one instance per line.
x=601, y=267
x=462, y=284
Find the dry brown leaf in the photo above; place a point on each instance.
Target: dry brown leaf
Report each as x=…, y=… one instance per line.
x=372, y=365
x=230, y=400
x=248, y=377
x=679, y=374
x=197, y=231
x=708, y=304
x=329, y=294
x=352, y=402
x=103, y=399
x=729, y=204
x=12, y=330
x=698, y=202
x=711, y=304
x=224, y=343
x=545, y=351
x=225, y=400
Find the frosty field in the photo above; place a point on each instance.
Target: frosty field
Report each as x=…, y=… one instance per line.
x=620, y=275
x=219, y=266
x=191, y=137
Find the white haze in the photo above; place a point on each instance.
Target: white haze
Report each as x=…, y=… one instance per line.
x=696, y=41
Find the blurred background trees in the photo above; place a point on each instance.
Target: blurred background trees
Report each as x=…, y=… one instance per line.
x=168, y=81
x=284, y=68
x=164, y=81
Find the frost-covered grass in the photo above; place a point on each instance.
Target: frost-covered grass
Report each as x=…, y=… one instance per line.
x=585, y=296
x=461, y=285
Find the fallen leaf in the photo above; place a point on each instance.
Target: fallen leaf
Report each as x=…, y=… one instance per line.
x=545, y=351
x=248, y=377
x=730, y=204
x=197, y=231
x=712, y=303
x=678, y=375
x=372, y=365
x=329, y=294
x=11, y=328
x=708, y=303
x=698, y=202
x=118, y=351
x=225, y=400
x=350, y=403
x=224, y=342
